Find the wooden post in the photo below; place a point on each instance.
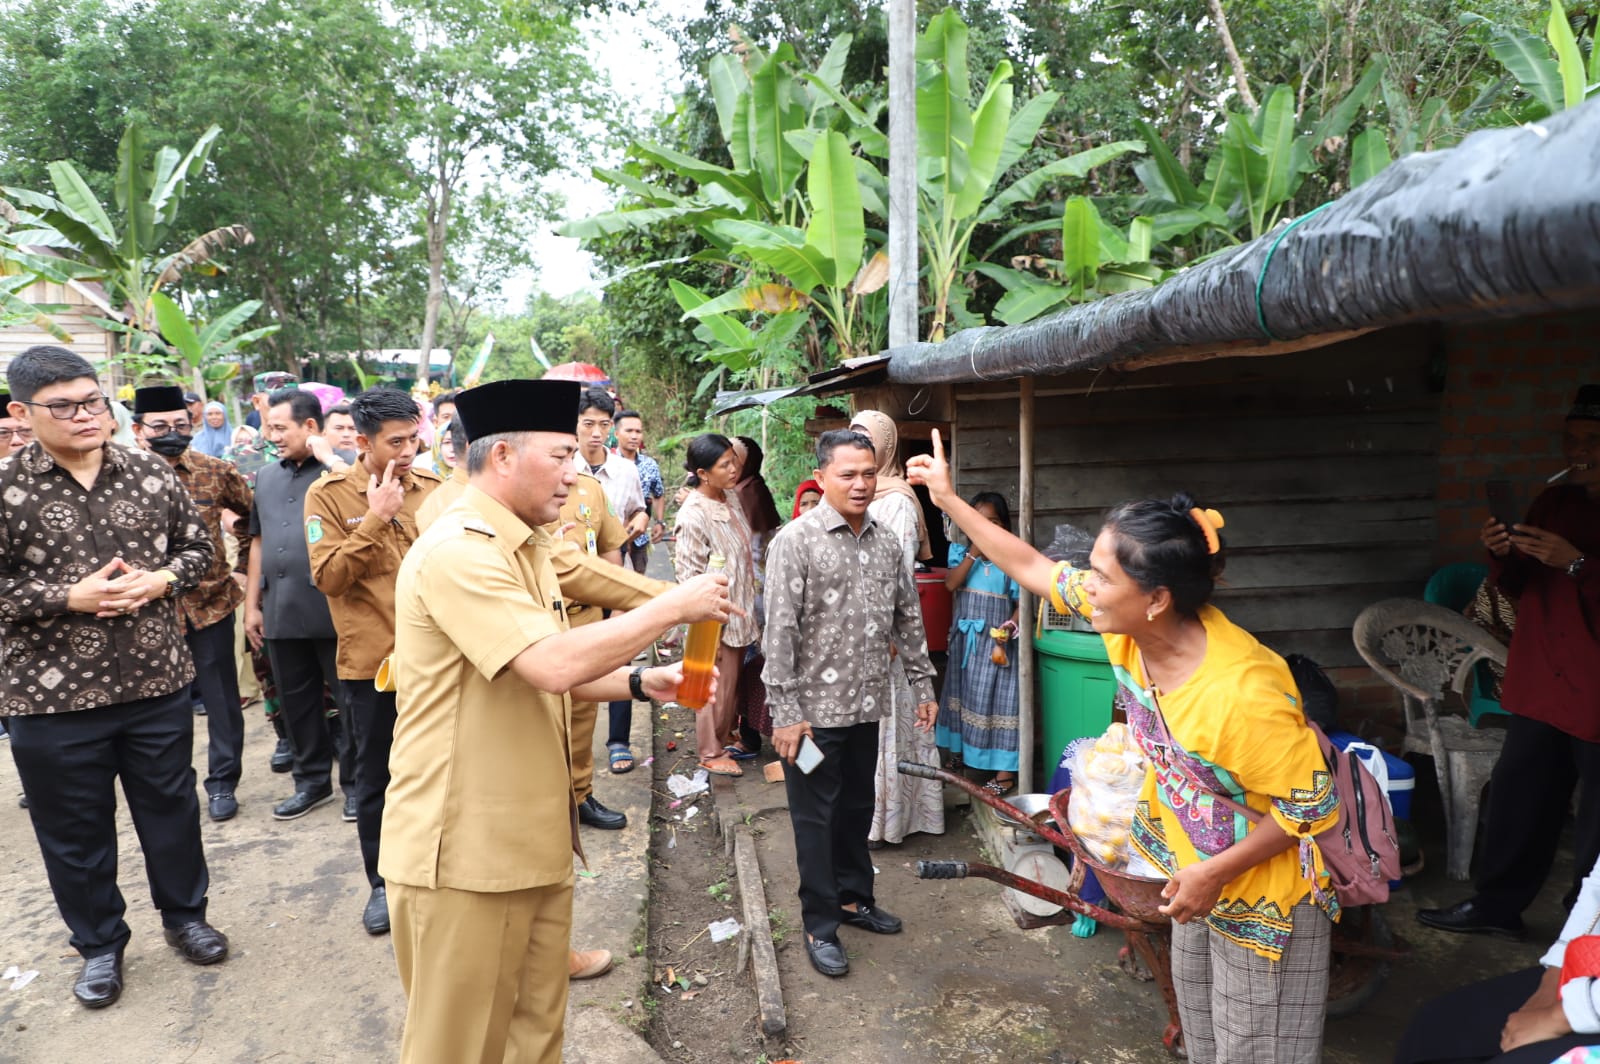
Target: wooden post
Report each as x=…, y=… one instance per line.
x=1025, y=700
x=903, y=295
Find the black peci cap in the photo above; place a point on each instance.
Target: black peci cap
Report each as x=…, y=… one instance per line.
x=159, y=399
x=1586, y=406
x=518, y=406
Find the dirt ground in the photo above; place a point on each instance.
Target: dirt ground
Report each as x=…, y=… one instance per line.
x=963, y=984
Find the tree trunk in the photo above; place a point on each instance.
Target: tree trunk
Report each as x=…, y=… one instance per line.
x=438, y=227
x=1239, y=79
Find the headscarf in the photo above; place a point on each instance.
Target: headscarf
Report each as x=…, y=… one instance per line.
x=755, y=499
x=805, y=486
x=891, y=479
x=209, y=440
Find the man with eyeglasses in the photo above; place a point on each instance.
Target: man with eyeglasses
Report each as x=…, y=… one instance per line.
x=206, y=613
x=93, y=539
x=14, y=432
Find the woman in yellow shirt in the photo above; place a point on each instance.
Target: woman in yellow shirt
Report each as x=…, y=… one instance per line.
x=1250, y=903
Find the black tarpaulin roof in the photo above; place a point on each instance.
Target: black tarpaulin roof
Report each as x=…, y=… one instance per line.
x=1506, y=223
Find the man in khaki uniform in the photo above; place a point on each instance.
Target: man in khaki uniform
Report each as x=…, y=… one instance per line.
x=359, y=524
x=588, y=524
x=480, y=823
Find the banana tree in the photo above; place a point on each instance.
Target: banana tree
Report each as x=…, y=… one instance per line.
x=206, y=350
x=821, y=266
x=1097, y=259
x=769, y=117
x=1550, y=73
x=962, y=152
x=1255, y=171
x=132, y=260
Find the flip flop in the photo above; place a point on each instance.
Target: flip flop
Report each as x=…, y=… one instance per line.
x=999, y=788
x=716, y=769
x=739, y=753
x=620, y=753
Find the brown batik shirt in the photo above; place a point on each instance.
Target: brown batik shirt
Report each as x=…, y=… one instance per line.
x=53, y=533
x=215, y=486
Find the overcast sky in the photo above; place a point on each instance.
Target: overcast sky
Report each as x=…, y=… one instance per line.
x=642, y=65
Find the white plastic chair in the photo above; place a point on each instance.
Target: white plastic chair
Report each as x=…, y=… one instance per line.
x=1423, y=650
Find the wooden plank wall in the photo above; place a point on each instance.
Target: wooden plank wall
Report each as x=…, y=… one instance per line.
x=88, y=339
x=1324, y=463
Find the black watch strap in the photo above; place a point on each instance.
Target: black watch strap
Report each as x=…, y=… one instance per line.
x=636, y=684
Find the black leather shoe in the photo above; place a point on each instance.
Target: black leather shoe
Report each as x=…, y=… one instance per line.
x=349, y=814
x=199, y=709
x=375, y=917
x=827, y=957
x=100, y=982
x=282, y=757
x=199, y=943
x=1468, y=917
x=300, y=803
x=870, y=918
x=595, y=815
x=222, y=806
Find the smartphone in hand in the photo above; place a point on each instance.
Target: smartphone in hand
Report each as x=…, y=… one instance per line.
x=1502, y=502
x=809, y=755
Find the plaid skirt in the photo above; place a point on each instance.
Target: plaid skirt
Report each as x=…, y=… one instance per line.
x=978, y=712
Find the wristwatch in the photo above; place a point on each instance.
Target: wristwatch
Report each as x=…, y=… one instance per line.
x=636, y=685
x=1575, y=566
x=172, y=581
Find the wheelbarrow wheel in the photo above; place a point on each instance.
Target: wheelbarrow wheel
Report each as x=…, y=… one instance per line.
x=1355, y=978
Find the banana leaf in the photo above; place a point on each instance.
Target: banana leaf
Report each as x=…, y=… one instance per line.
x=989, y=127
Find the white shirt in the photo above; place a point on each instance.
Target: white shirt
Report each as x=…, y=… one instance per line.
x=1580, y=998
x=620, y=479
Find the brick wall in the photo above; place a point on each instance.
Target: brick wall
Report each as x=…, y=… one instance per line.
x=1508, y=388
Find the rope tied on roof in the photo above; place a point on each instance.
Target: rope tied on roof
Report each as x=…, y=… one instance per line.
x=1261, y=278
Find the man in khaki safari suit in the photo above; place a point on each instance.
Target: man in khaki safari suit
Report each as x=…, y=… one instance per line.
x=480, y=822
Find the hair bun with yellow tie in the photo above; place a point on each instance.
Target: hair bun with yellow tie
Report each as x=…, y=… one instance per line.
x=1173, y=543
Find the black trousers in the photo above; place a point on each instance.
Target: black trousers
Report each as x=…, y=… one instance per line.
x=218, y=677
x=1529, y=795
x=1463, y=1026
x=831, y=813
x=301, y=667
x=67, y=763
x=372, y=715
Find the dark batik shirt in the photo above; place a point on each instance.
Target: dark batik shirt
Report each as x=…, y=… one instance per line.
x=215, y=485
x=53, y=533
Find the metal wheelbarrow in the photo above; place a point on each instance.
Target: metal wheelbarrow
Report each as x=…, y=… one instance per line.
x=1363, y=945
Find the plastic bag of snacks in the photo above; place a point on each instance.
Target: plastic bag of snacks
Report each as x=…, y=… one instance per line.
x=1107, y=775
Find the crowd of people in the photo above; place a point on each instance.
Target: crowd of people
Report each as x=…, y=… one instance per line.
x=341, y=559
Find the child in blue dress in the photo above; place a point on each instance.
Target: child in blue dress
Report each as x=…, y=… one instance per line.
x=978, y=711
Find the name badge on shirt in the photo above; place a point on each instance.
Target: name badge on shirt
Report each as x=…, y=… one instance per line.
x=589, y=540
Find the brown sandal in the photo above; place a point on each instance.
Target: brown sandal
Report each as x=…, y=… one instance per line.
x=722, y=766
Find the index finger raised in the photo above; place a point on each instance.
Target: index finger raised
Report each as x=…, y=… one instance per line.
x=938, y=446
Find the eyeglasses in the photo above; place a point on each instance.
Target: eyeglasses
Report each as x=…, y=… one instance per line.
x=67, y=409
x=161, y=428
x=7, y=435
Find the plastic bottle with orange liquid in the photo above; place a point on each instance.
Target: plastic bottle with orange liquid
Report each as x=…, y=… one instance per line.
x=700, y=653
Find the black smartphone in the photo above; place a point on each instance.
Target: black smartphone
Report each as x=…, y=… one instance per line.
x=1502, y=502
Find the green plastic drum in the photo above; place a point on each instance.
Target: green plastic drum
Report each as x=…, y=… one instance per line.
x=1076, y=690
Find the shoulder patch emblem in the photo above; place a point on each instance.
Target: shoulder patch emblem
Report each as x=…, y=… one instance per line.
x=313, y=530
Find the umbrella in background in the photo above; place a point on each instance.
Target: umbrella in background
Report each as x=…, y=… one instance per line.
x=328, y=395
x=583, y=372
